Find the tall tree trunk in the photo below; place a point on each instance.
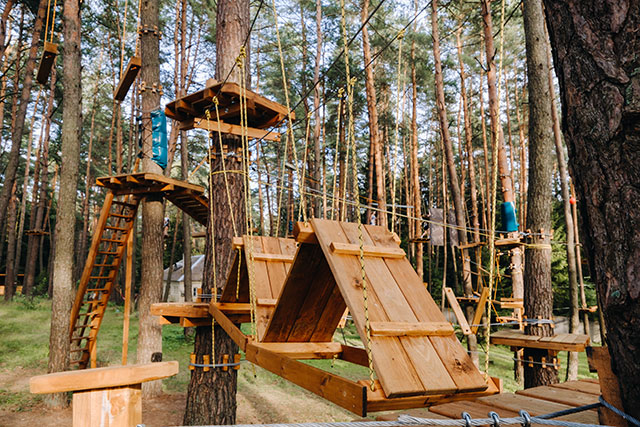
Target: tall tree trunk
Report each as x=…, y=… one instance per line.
x=186, y=223
x=211, y=398
x=498, y=139
x=574, y=323
x=66, y=209
x=523, y=159
x=39, y=194
x=538, y=296
x=317, y=152
x=453, y=176
x=374, y=131
x=150, y=332
x=601, y=104
x=18, y=128
x=415, y=167
x=10, y=266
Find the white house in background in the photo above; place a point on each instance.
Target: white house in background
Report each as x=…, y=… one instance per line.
x=176, y=288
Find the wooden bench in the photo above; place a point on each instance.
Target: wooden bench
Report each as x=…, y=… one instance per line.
x=106, y=397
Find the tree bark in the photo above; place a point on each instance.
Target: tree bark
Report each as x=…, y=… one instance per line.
x=10, y=266
x=599, y=87
x=66, y=209
x=18, y=128
x=150, y=332
x=374, y=131
x=538, y=290
x=211, y=397
x=453, y=176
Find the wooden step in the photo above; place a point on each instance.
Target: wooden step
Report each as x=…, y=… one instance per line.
x=79, y=338
x=103, y=265
x=119, y=215
x=119, y=203
x=101, y=277
x=117, y=241
x=99, y=290
x=111, y=227
x=108, y=252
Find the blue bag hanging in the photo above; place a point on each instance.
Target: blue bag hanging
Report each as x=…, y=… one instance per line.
x=159, y=127
x=509, y=219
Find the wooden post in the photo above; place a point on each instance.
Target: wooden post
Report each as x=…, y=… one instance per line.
x=600, y=361
x=127, y=298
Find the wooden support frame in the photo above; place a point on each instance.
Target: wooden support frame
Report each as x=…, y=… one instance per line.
x=127, y=78
x=49, y=54
x=228, y=128
x=480, y=308
x=367, y=250
x=457, y=311
x=405, y=329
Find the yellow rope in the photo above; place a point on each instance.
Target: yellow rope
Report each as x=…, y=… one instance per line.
x=124, y=35
x=336, y=156
x=289, y=121
x=53, y=20
x=46, y=28
x=302, y=213
x=213, y=242
x=395, y=149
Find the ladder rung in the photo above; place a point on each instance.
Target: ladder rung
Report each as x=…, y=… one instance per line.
x=117, y=202
x=73, y=362
x=94, y=301
x=76, y=350
x=108, y=253
x=98, y=290
x=79, y=338
x=111, y=227
x=83, y=326
x=119, y=215
x=100, y=277
x=118, y=241
x=104, y=265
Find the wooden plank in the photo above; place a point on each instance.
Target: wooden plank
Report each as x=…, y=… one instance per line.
x=583, y=386
x=228, y=128
x=377, y=401
x=480, y=308
x=303, y=233
x=368, y=250
x=354, y=355
x=127, y=78
x=342, y=392
x=416, y=412
x=600, y=361
x=303, y=350
x=261, y=280
x=387, y=290
x=113, y=376
x=120, y=406
x=457, y=311
x=403, y=379
x=232, y=330
x=536, y=407
x=273, y=257
x=475, y=409
x=559, y=395
x=420, y=329
x=561, y=342
x=271, y=302
x=234, y=290
x=455, y=359
x=49, y=54
x=180, y=309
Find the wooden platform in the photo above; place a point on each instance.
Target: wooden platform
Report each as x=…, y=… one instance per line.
x=560, y=342
x=188, y=197
x=536, y=401
x=190, y=314
x=262, y=112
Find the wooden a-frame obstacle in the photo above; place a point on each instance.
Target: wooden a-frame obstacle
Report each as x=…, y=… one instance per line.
x=416, y=355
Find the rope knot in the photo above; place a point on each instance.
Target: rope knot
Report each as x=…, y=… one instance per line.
x=340, y=92
x=215, y=102
x=401, y=34
x=207, y=112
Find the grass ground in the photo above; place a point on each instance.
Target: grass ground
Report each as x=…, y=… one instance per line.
x=262, y=396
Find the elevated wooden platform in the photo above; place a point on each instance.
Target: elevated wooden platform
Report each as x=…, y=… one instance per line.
x=536, y=401
x=188, y=197
x=262, y=112
x=560, y=342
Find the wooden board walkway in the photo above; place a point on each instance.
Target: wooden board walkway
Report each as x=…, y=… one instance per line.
x=559, y=342
x=536, y=401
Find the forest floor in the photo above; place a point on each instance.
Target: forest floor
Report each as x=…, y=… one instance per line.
x=262, y=396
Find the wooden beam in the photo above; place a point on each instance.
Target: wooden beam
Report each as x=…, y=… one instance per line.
x=181, y=309
x=407, y=329
x=271, y=302
x=368, y=250
x=457, y=311
x=341, y=391
x=303, y=233
x=274, y=257
x=228, y=128
x=600, y=361
x=303, y=350
x=355, y=355
x=113, y=376
x=234, y=332
x=482, y=305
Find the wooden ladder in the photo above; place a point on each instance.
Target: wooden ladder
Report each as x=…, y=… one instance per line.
x=99, y=275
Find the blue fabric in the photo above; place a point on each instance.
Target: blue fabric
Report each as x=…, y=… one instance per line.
x=160, y=145
x=509, y=218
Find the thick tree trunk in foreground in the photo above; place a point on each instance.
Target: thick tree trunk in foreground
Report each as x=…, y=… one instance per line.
x=18, y=127
x=66, y=212
x=538, y=290
x=374, y=131
x=595, y=54
x=453, y=176
x=150, y=332
x=211, y=398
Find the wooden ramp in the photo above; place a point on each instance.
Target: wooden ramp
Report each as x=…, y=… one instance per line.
x=108, y=247
x=416, y=355
x=271, y=259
